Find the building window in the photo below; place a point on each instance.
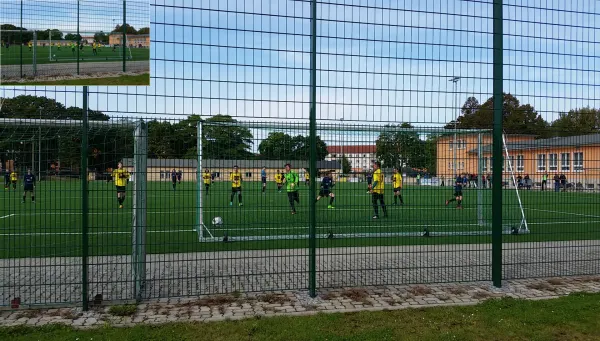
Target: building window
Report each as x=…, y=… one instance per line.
x=485, y=164
x=541, y=162
x=553, y=162
x=565, y=162
x=578, y=161
x=248, y=174
x=511, y=163
x=333, y=155
x=451, y=145
x=520, y=163
x=449, y=165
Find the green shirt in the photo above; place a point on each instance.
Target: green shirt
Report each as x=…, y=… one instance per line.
x=291, y=178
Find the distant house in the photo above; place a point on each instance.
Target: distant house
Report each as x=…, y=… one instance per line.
x=159, y=169
x=359, y=156
x=577, y=157
x=133, y=40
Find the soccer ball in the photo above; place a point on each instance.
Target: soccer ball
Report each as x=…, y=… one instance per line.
x=217, y=221
x=54, y=56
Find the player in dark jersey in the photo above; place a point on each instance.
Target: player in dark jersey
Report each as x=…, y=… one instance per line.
x=179, y=176
x=29, y=186
x=263, y=179
x=326, y=186
x=174, y=177
x=458, y=196
x=6, y=180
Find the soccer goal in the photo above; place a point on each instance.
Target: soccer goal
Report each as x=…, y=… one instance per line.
x=81, y=45
x=427, y=159
x=52, y=150
x=18, y=53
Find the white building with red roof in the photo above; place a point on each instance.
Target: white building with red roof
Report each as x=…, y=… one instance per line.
x=360, y=156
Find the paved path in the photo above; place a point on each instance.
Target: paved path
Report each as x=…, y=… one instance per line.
x=233, y=307
x=11, y=72
x=55, y=280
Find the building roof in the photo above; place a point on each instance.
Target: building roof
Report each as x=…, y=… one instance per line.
x=554, y=142
x=271, y=164
x=449, y=134
x=351, y=149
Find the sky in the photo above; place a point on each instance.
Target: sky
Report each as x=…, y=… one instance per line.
x=379, y=61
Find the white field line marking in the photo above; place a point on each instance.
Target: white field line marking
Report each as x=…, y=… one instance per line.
x=228, y=209
x=6, y=216
x=568, y=213
x=259, y=229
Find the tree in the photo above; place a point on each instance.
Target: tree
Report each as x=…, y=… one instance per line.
x=14, y=37
x=144, y=30
x=129, y=29
x=276, y=146
x=279, y=146
x=49, y=34
x=101, y=37
x=226, y=141
x=517, y=118
x=577, y=122
x=399, y=148
x=346, y=168
x=73, y=37
x=160, y=140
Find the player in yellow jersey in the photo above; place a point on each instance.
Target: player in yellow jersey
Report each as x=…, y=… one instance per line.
x=58, y=45
x=207, y=178
x=397, y=182
x=306, y=177
x=279, y=180
x=120, y=177
x=377, y=190
x=30, y=45
x=94, y=49
x=13, y=179
x=236, y=185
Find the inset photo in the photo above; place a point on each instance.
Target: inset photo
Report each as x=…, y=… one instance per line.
x=75, y=42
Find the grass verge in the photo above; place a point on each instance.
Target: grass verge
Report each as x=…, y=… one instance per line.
x=572, y=317
x=143, y=79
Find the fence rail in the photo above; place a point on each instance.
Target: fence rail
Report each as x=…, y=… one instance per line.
x=483, y=120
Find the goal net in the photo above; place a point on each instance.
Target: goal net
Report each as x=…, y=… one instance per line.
x=428, y=161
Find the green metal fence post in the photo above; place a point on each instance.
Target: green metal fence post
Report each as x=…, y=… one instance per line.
x=124, y=34
x=84, y=201
x=21, y=34
x=78, y=37
x=313, y=152
x=497, y=148
x=199, y=192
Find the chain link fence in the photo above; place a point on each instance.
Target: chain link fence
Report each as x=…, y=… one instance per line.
x=301, y=145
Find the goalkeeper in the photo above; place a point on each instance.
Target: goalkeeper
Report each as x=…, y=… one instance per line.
x=291, y=181
x=120, y=177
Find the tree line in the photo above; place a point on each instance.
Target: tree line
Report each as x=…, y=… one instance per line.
x=222, y=138
x=13, y=37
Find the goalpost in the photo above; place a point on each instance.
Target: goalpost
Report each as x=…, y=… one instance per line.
x=477, y=217
x=60, y=141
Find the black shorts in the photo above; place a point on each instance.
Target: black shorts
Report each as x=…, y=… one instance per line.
x=206, y=185
x=28, y=188
x=236, y=189
x=324, y=193
x=292, y=195
x=174, y=180
x=263, y=179
x=457, y=193
x=397, y=189
x=120, y=189
x=377, y=196
x=279, y=184
x=14, y=182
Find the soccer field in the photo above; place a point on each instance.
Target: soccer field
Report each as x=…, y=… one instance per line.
x=52, y=226
x=12, y=55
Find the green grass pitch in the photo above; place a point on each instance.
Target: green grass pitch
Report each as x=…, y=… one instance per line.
x=12, y=55
x=52, y=226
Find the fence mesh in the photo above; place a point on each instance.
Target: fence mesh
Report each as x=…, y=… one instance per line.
x=410, y=84
x=43, y=39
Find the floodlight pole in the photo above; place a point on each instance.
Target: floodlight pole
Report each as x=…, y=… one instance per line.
x=455, y=81
x=40, y=150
